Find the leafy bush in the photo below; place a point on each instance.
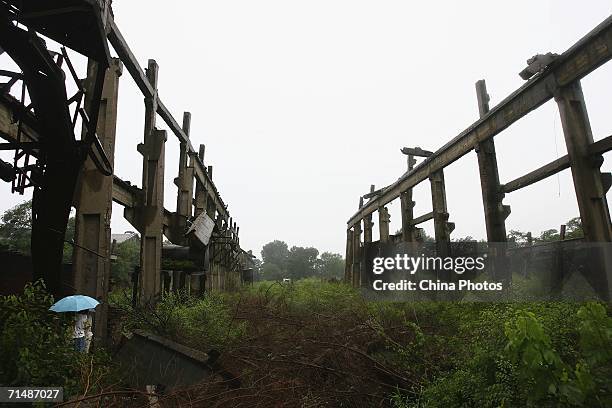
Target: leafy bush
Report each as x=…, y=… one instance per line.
x=513, y=355
x=197, y=321
x=550, y=377
x=37, y=348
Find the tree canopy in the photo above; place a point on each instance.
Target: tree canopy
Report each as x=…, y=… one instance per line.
x=16, y=227
x=280, y=262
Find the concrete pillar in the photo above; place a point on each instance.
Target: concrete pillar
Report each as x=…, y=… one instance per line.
x=383, y=224
x=495, y=212
x=166, y=281
x=348, y=260
x=151, y=215
x=357, y=255
x=200, y=192
x=367, y=240
x=184, y=182
x=194, y=284
x=93, y=202
x=588, y=184
x=407, y=208
x=368, y=224
x=442, y=227
x=178, y=280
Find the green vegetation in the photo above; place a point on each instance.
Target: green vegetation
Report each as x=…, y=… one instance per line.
x=573, y=230
x=345, y=351
x=190, y=320
x=333, y=348
x=128, y=256
x=16, y=230
x=37, y=347
x=16, y=227
x=280, y=262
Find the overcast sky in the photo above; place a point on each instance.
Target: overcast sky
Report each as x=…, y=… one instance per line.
x=303, y=104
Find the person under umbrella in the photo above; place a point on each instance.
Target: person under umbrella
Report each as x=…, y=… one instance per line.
x=79, y=304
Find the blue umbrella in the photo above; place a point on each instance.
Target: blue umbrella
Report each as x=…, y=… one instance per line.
x=74, y=303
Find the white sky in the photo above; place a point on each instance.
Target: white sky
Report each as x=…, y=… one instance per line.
x=303, y=104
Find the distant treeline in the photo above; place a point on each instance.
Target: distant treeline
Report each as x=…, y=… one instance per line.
x=281, y=262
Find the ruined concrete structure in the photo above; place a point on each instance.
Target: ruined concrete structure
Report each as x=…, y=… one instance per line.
x=558, y=78
x=65, y=171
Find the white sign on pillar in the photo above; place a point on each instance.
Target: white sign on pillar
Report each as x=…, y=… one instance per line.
x=202, y=228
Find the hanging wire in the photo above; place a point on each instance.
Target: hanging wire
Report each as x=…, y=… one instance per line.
x=556, y=151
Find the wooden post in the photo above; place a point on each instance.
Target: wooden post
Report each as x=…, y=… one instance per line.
x=93, y=202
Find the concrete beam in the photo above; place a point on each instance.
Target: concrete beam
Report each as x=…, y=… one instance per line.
x=536, y=175
x=423, y=218
x=126, y=194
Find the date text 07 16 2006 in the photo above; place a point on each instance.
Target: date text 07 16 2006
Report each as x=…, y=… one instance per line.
x=31, y=394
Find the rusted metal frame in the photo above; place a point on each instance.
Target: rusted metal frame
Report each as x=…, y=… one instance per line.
x=589, y=53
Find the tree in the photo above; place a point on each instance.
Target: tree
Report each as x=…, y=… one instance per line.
x=549, y=235
x=302, y=262
x=69, y=248
x=574, y=228
x=331, y=265
x=256, y=268
x=270, y=271
x=16, y=227
x=518, y=237
x=128, y=256
x=16, y=230
x=275, y=252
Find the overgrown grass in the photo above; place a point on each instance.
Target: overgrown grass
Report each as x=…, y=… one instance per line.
x=433, y=354
x=196, y=321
